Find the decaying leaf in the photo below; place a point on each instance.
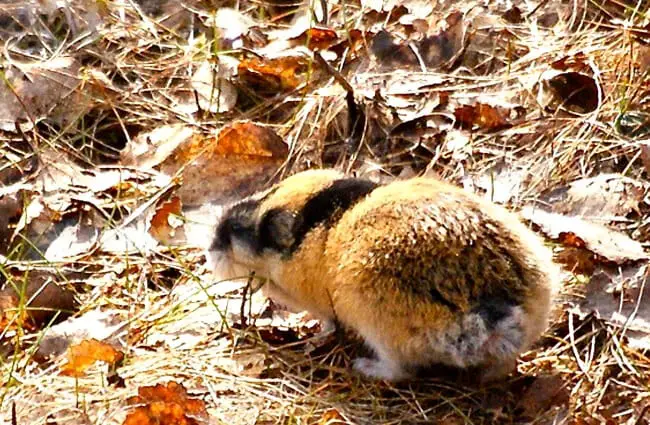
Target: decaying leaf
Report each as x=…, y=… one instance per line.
x=166, y=223
x=33, y=298
x=32, y=91
x=166, y=405
x=570, y=91
x=621, y=297
x=606, y=243
x=484, y=116
x=544, y=392
x=102, y=325
x=214, y=92
x=434, y=51
x=605, y=196
x=149, y=149
x=88, y=352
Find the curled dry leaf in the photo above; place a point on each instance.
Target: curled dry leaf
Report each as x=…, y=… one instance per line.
x=214, y=91
x=88, y=352
x=604, y=196
x=166, y=405
x=577, y=92
x=607, y=244
x=621, y=297
x=149, y=149
x=166, y=224
x=241, y=159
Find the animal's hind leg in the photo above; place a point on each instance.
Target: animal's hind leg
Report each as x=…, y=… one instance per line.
x=383, y=367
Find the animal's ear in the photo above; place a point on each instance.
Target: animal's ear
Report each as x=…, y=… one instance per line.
x=277, y=230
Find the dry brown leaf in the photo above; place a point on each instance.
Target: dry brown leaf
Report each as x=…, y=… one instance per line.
x=482, y=115
x=606, y=243
x=271, y=76
x=571, y=91
x=544, y=393
x=11, y=209
x=604, y=196
x=241, y=159
x=32, y=299
x=102, y=325
x=437, y=50
x=317, y=38
x=166, y=224
x=53, y=89
x=149, y=149
x=215, y=93
x=391, y=54
x=444, y=48
x=88, y=352
x=165, y=405
x=620, y=296
x=331, y=417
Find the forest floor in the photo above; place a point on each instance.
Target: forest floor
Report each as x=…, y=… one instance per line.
x=126, y=125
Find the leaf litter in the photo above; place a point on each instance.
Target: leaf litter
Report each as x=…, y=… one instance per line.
x=128, y=127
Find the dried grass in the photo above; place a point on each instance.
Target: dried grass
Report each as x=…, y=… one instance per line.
x=243, y=377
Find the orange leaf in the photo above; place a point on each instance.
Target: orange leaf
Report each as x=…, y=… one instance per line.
x=272, y=75
x=332, y=416
x=81, y=356
x=235, y=163
x=482, y=115
x=162, y=224
x=165, y=405
x=317, y=38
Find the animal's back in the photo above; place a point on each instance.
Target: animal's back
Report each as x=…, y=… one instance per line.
x=442, y=264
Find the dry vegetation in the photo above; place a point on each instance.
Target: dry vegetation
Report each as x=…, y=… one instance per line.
x=124, y=126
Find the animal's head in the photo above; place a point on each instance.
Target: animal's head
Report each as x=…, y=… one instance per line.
x=272, y=225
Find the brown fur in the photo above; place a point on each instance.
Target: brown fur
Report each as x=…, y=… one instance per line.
x=408, y=267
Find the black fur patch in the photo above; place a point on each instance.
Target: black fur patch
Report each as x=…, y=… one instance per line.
x=276, y=230
x=327, y=206
x=283, y=231
x=240, y=220
x=493, y=310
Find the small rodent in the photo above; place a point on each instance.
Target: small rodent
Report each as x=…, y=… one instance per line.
x=426, y=273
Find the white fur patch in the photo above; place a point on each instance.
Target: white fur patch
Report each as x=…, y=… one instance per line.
x=470, y=343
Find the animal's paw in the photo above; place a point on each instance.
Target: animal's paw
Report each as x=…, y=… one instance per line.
x=378, y=369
